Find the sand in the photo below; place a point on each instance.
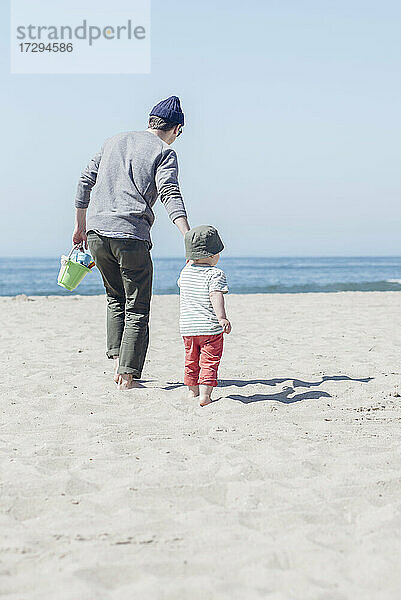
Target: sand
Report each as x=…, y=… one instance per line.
x=287, y=487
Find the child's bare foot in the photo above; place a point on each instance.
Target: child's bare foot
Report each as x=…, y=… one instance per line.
x=193, y=391
x=205, y=401
x=116, y=365
x=127, y=382
x=205, y=394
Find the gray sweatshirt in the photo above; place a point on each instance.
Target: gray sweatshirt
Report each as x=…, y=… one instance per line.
x=123, y=181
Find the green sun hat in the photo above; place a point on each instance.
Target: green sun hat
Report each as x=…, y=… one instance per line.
x=201, y=242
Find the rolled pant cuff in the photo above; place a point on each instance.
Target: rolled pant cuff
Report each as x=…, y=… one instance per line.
x=212, y=382
x=113, y=352
x=188, y=381
x=134, y=372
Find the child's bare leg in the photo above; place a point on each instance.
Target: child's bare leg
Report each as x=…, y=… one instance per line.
x=193, y=391
x=205, y=392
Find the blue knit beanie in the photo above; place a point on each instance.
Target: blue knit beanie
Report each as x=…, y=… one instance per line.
x=169, y=109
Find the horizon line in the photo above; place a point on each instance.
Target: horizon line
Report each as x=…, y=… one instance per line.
x=222, y=257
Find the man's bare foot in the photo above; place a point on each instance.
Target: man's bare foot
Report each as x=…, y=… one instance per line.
x=193, y=391
x=116, y=365
x=127, y=382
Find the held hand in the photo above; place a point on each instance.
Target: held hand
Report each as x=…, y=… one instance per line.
x=79, y=238
x=226, y=325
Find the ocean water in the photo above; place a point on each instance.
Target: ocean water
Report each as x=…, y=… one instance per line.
x=38, y=276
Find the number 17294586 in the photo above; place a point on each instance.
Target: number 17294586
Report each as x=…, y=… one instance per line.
x=41, y=47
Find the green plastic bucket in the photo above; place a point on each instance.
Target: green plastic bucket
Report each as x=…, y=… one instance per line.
x=71, y=273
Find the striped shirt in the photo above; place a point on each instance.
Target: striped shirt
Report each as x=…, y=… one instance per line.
x=197, y=316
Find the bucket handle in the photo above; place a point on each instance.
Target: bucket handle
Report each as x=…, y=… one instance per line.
x=73, y=248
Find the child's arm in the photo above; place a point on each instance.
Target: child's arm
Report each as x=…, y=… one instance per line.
x=217, y=300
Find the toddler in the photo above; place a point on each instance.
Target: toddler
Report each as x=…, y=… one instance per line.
x=203, y=317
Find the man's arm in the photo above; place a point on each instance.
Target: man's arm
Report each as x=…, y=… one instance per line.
x=79, y=234
x=182, y=224
x=82, y=199
x=166, y=179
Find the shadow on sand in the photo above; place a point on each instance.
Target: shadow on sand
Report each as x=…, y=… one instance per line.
x=286, y=395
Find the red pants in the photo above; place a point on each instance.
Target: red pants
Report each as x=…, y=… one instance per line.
x=202, y=358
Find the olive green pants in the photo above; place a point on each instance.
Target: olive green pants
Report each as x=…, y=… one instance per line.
x=127, y=270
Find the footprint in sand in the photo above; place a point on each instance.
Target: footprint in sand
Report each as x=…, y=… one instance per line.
x=76, y=487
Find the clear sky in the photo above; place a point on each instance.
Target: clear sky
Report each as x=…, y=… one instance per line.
x=292, y=136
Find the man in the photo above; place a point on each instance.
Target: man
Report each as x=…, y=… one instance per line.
x=119, y=188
